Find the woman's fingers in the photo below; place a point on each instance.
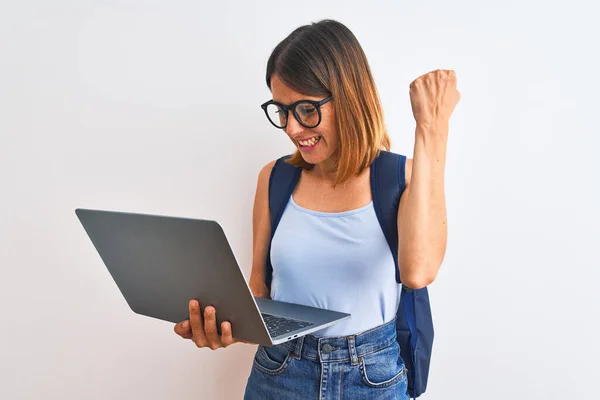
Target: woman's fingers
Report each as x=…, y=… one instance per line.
x=226, y=335
x=198, y=335
x=183, y=329
x=210, y=328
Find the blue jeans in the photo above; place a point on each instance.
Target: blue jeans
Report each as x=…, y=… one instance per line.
x=363, y=366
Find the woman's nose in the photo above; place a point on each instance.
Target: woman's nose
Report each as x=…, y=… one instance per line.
x=294, y=128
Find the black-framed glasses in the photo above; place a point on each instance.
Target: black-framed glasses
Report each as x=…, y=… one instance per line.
x=306, y=112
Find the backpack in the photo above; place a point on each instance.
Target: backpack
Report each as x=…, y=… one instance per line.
x=414, y=324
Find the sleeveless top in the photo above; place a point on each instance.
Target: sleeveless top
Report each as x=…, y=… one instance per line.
x=337, y=261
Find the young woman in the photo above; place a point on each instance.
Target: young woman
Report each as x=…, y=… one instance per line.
x=329, y=250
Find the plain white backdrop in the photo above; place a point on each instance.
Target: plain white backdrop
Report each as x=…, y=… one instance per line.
x=151, y=106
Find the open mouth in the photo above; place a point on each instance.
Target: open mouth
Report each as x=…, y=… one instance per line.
x=312, y=142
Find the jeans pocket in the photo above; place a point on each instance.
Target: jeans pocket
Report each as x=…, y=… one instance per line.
x=383, y=368
x=272, y=360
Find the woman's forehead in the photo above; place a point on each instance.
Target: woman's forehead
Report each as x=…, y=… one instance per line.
x=284, y=94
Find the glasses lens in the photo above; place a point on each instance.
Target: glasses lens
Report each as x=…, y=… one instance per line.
x=276, y=115
x=308, y=114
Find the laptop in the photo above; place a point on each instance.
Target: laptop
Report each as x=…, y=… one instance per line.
x=160, y=263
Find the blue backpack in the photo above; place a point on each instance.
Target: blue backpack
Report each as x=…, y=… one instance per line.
x=414, y=324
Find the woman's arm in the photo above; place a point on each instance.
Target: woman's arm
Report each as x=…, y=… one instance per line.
x=261, y=233
x=422, y=229
x=422, y=224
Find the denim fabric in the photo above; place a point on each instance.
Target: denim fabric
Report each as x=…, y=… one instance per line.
x=363, y=366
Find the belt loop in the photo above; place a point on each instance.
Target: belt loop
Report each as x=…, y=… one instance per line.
x=352, y=349
x=298, y=349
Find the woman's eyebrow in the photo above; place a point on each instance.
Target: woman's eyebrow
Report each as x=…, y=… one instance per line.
x=288, y=104
x=281, y=102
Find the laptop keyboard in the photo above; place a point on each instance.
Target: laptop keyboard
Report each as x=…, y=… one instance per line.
x=280, y=325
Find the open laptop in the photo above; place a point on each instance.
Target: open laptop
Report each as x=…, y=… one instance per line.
x=160, y=263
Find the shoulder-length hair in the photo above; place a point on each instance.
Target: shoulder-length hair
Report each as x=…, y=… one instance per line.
x=326, y=59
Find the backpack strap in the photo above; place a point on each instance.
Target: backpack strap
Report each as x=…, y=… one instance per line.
x=387, y=185
x=282, y=182
x=388, y=182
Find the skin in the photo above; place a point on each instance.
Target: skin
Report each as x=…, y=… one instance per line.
x=422, y=225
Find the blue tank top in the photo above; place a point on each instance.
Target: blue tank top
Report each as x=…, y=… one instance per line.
x=338, y=261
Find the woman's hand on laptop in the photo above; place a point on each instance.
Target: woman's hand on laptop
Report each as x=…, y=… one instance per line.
x=206, y=335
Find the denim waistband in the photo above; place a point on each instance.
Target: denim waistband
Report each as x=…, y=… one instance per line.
x=343, y=348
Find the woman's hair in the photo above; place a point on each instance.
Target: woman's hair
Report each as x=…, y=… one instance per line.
x=323, y=59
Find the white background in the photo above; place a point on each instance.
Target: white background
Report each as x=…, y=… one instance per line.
x=153, y=106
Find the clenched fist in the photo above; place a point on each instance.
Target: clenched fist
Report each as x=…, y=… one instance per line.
x=433, y=97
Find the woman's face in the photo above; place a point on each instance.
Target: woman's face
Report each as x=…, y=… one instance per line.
x=317, y=144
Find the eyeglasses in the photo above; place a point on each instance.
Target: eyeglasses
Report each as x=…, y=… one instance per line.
x=306, y=112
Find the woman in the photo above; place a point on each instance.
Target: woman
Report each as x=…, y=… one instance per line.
x=331, y=252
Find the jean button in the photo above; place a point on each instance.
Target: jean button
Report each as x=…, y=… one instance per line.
x=327, y=348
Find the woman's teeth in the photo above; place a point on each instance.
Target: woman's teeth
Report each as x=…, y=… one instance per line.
x=310, y=142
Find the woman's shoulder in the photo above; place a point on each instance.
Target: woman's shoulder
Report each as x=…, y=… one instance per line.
x=267, y=168
x=265, y=174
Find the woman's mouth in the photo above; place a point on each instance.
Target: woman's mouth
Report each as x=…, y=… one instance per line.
x=309, y=144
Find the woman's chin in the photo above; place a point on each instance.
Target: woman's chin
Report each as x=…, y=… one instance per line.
x=314, y=155
x=311, y=158
x=314, y=159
